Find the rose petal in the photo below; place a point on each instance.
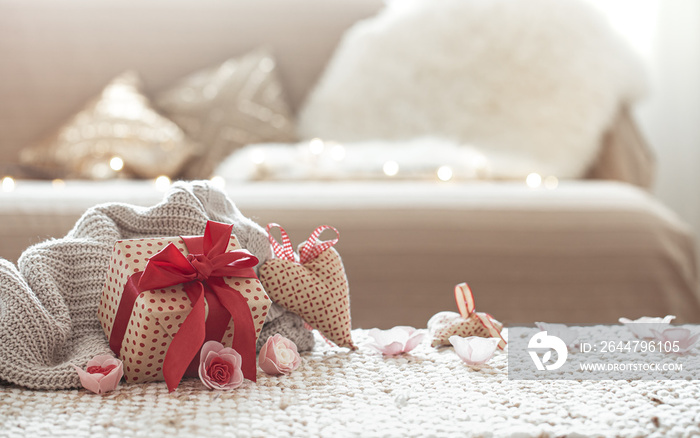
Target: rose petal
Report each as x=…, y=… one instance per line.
x=103, y=359
x=111, y=380
x=682, y=337
x=474, y=350
x=270, y=367
x=641, y=327
x=392, y=349
x=228, y=350
x=267, y=350
x=672, y=334
x=415, y=340
x=210, y=346
x=233, y=358
x=386, y=337
x=649, y=319
x=406, y=329
x=289, y=344
x=397, y=340
x=87, y=380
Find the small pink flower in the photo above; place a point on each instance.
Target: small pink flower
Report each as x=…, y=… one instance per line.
x=397, y=340
x=474, y=350
x=219, y=366
x=279, y=356
x=641, y=327
x=102, y=374
x=680, y=338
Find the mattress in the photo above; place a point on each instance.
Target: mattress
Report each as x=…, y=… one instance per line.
x=584, y=252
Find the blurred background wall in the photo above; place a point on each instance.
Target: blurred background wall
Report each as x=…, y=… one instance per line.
x=666, y=33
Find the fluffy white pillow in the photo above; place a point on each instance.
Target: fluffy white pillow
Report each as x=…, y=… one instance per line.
x=539, y=80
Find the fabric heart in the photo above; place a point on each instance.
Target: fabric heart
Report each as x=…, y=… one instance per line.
x=445, y=324
x=442, y=325
x=315, y=287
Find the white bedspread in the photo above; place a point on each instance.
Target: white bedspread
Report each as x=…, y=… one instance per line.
x=584, y=252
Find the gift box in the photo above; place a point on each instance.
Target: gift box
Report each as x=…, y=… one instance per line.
x=164, y=297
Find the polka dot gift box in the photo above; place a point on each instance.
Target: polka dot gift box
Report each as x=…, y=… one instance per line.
x=164, y=297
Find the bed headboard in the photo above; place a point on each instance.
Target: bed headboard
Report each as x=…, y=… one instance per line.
x=55, y=55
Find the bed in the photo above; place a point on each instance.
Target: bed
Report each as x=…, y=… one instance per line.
x=588, y=249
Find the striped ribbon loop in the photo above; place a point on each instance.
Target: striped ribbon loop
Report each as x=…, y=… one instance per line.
x=313, y=246
x=284, y=251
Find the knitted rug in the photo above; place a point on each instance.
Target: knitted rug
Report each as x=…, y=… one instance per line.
x=48, y=303
x=337, y=393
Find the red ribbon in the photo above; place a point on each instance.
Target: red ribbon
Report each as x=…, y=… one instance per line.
x=465, y=303
x=312, y=248
x=202, y=273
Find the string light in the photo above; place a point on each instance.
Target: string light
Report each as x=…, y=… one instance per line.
x=316, y=146
x=162, y=183
x=551, y=182
x=116, y=164
x=101, y=170
x=8, y=184
x=257, y=156
x=533, y=180
x=218, y=181
x=391, y=168
x=337, y=152
x=444, y=173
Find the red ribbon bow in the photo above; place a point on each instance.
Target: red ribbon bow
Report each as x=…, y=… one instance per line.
x=202, y=273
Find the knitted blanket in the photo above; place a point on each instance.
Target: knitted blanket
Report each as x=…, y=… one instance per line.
x=48, y=303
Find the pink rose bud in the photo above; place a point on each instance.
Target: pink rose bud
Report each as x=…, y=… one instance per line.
x=220, y=367
x=279, y=356
x=102, y=374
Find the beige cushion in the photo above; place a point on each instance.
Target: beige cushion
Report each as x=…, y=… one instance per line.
x=228, y=106
x=57, y=55
x=120, y=122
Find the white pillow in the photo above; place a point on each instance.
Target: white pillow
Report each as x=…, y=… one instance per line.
x=537, y=79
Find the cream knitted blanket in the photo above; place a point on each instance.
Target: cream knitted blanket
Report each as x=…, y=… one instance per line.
x=48, y=307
